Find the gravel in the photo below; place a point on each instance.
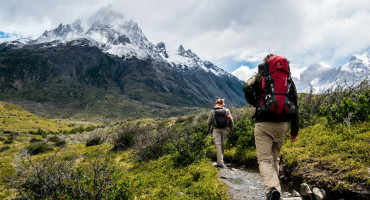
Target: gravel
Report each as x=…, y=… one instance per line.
x=244, y=184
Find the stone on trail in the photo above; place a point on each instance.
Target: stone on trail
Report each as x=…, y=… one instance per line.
x=318, y=193
x=305, y=190
x=296, y=194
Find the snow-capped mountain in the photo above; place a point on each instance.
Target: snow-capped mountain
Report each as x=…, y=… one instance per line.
x=323, y=77
x=62, y=32
x=115, y=35
x=111, y=60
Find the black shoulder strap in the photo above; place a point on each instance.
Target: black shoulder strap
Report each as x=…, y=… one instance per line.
x=266, y=69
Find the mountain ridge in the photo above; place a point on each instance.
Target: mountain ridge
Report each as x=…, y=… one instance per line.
x=110, y=63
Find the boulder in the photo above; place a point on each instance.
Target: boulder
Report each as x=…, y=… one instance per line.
x=296, y=194
x=318, y=193
x=305, y=190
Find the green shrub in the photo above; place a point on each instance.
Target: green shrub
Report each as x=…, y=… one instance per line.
x=77, y=130
x=90, y=128
x=350, y=109
x=2, y=139
x=54, y=138
x=153, y=145
x=8, y=141
x=125, y=137
x=58, y=178
x=34, y=140
x=191, y=145
x=94, y=141
x=242, y=134
x=37, y=148
x=38, y=132
x=60, y=143
x=4, y=148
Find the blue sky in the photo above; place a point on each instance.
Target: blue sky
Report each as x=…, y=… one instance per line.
x=4, y=35
x=228, y=33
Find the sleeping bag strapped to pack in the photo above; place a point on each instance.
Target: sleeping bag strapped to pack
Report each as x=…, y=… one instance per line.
x=277, y=89
x=220, y=118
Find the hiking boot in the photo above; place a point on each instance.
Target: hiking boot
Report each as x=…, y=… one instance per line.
x=221, y=166
x=274, y=194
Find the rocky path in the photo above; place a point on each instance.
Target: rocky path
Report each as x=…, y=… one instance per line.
x=245, y=184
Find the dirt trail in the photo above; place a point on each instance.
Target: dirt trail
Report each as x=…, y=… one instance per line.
x=244, y=184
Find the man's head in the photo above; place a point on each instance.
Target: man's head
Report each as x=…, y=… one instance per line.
x=220, y=101
x=261, y=66
x=268, y=56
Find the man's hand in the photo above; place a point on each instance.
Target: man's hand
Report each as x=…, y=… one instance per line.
x=293, y=137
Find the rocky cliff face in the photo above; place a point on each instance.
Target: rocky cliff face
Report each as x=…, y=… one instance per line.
x=67, y=67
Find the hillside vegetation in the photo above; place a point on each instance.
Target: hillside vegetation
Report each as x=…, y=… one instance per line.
x=170, y=158
x=14, y=118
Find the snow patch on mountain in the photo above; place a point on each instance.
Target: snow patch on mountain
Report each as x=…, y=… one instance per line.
x=322, y=77
x=115, y=35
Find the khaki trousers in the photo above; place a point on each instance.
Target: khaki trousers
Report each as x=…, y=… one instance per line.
x=219, y=137
x=269, y=137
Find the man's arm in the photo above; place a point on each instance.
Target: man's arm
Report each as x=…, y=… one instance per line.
x=231, y=121
x=209, y=121
x=295, y=120
x=249, y=90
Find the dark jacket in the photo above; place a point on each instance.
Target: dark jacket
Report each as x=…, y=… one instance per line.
x=253, y=93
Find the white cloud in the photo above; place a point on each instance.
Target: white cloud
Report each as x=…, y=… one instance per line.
x=305, y=31
x=244, y=72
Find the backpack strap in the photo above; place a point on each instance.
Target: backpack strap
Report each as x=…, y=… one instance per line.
x=266, y=69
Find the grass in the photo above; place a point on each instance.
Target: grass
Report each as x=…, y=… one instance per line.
x=14, y=118
x=156, y=179
x=159, y=179
x=332, y=154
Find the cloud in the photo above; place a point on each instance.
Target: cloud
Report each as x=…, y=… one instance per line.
x=244, y=72
x=305, y=31
x=4, y=37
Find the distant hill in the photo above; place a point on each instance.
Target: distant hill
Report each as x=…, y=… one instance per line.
x=14, y=118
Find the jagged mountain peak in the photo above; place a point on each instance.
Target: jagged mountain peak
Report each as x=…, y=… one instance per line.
x=187, y=53
x=71, y=31
x=323, y=77
x=161, y=49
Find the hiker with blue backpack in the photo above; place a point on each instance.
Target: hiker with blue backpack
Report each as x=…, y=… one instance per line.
x=272, y=92
x=220, y=121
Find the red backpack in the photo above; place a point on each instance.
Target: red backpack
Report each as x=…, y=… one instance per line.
x=277, y=89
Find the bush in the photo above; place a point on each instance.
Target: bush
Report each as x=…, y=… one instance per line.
x=38, y=148
x=153, y=145
x=77, y=130
x=94, y=141
x=96, y=137
x=191, y=145
x=61, y=143
x=8, y=141
x=35, y=140
x=58, y=178
x=38, y=132
x=125, y=137
x=54, y=139
x=4, y=148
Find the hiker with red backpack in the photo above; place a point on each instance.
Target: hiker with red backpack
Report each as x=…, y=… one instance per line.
x=221, y=121
x=272, y=92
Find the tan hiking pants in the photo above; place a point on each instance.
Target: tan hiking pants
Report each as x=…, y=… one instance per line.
x=269, y=137
x=219, y=138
